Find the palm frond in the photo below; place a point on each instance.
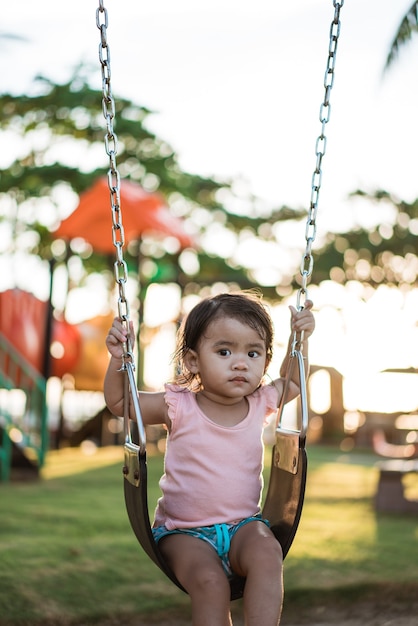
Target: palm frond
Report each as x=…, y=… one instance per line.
x=408, y=26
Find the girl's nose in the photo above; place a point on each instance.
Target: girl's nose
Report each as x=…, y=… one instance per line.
x=240, y=364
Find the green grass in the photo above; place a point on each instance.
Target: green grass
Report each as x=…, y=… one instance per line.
x=68, y=555
x=342, y=541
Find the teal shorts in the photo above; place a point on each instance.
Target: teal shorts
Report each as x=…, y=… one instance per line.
x=219, y=536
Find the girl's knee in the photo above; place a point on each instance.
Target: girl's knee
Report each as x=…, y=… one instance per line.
x=266, y=548
x=210, y=581
x=256, y=550
x=269, y=553
x=195, y=563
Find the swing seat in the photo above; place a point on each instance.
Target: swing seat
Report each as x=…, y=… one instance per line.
x=283, y=505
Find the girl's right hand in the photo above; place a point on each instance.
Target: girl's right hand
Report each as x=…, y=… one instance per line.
x=116, y=338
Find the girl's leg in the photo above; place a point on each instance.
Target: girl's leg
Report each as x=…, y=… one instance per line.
x=256, y=554
x=199, y=569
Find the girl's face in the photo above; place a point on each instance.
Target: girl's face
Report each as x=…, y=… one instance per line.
x=230, y=359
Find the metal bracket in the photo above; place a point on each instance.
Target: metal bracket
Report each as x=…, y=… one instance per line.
x=131, y=467
x=286, y=450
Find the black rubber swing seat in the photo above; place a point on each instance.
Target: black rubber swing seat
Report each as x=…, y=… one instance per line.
x=282, y=507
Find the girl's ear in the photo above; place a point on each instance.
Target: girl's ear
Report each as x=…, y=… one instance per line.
x=268, y=361
x=190, y=360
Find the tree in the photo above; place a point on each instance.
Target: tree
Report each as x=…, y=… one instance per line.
x=60, y=130
x=407, y=27
x=385, y=254
x=59, y=133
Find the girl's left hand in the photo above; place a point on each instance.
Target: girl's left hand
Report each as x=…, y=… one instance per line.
x=303, y=320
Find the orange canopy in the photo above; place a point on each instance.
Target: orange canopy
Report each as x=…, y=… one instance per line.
x=141, y=212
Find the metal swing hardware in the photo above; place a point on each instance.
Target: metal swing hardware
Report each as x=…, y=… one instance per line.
x=288, y=441
x=132, y=451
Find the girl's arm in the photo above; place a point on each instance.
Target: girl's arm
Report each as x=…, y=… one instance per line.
x=301, y=321
x=152, y=405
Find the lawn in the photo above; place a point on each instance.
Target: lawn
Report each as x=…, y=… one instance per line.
x=68, y=554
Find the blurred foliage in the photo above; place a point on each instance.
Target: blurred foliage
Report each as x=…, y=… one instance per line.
x=62, y=123
x=383, y=254
x=404, y=33
x=57, y=138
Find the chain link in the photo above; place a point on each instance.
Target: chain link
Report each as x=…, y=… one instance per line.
x=306, y=266
x=113, y=176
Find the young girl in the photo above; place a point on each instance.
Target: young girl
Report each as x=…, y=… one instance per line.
x=208, y=521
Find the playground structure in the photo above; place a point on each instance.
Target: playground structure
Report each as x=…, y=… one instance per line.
x=37, y=342
x=26, y=364
x=23, y=413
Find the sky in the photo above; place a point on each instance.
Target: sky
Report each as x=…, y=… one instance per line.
x=236, y=87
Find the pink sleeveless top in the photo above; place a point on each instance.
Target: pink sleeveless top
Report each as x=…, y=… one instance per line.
x=213, y=473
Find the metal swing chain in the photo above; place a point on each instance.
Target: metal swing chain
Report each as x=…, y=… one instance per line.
x=307, y=263
x=113, y=176
x=118, y=236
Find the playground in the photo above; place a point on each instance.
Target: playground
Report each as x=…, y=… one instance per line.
x=79, y=484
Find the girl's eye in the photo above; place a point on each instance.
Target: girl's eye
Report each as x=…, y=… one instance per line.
x=224, y=352
x=253, y=354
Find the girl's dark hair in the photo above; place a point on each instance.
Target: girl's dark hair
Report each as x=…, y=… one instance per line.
x=245, y=306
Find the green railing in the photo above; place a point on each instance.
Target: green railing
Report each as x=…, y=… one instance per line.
x=23, y=410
